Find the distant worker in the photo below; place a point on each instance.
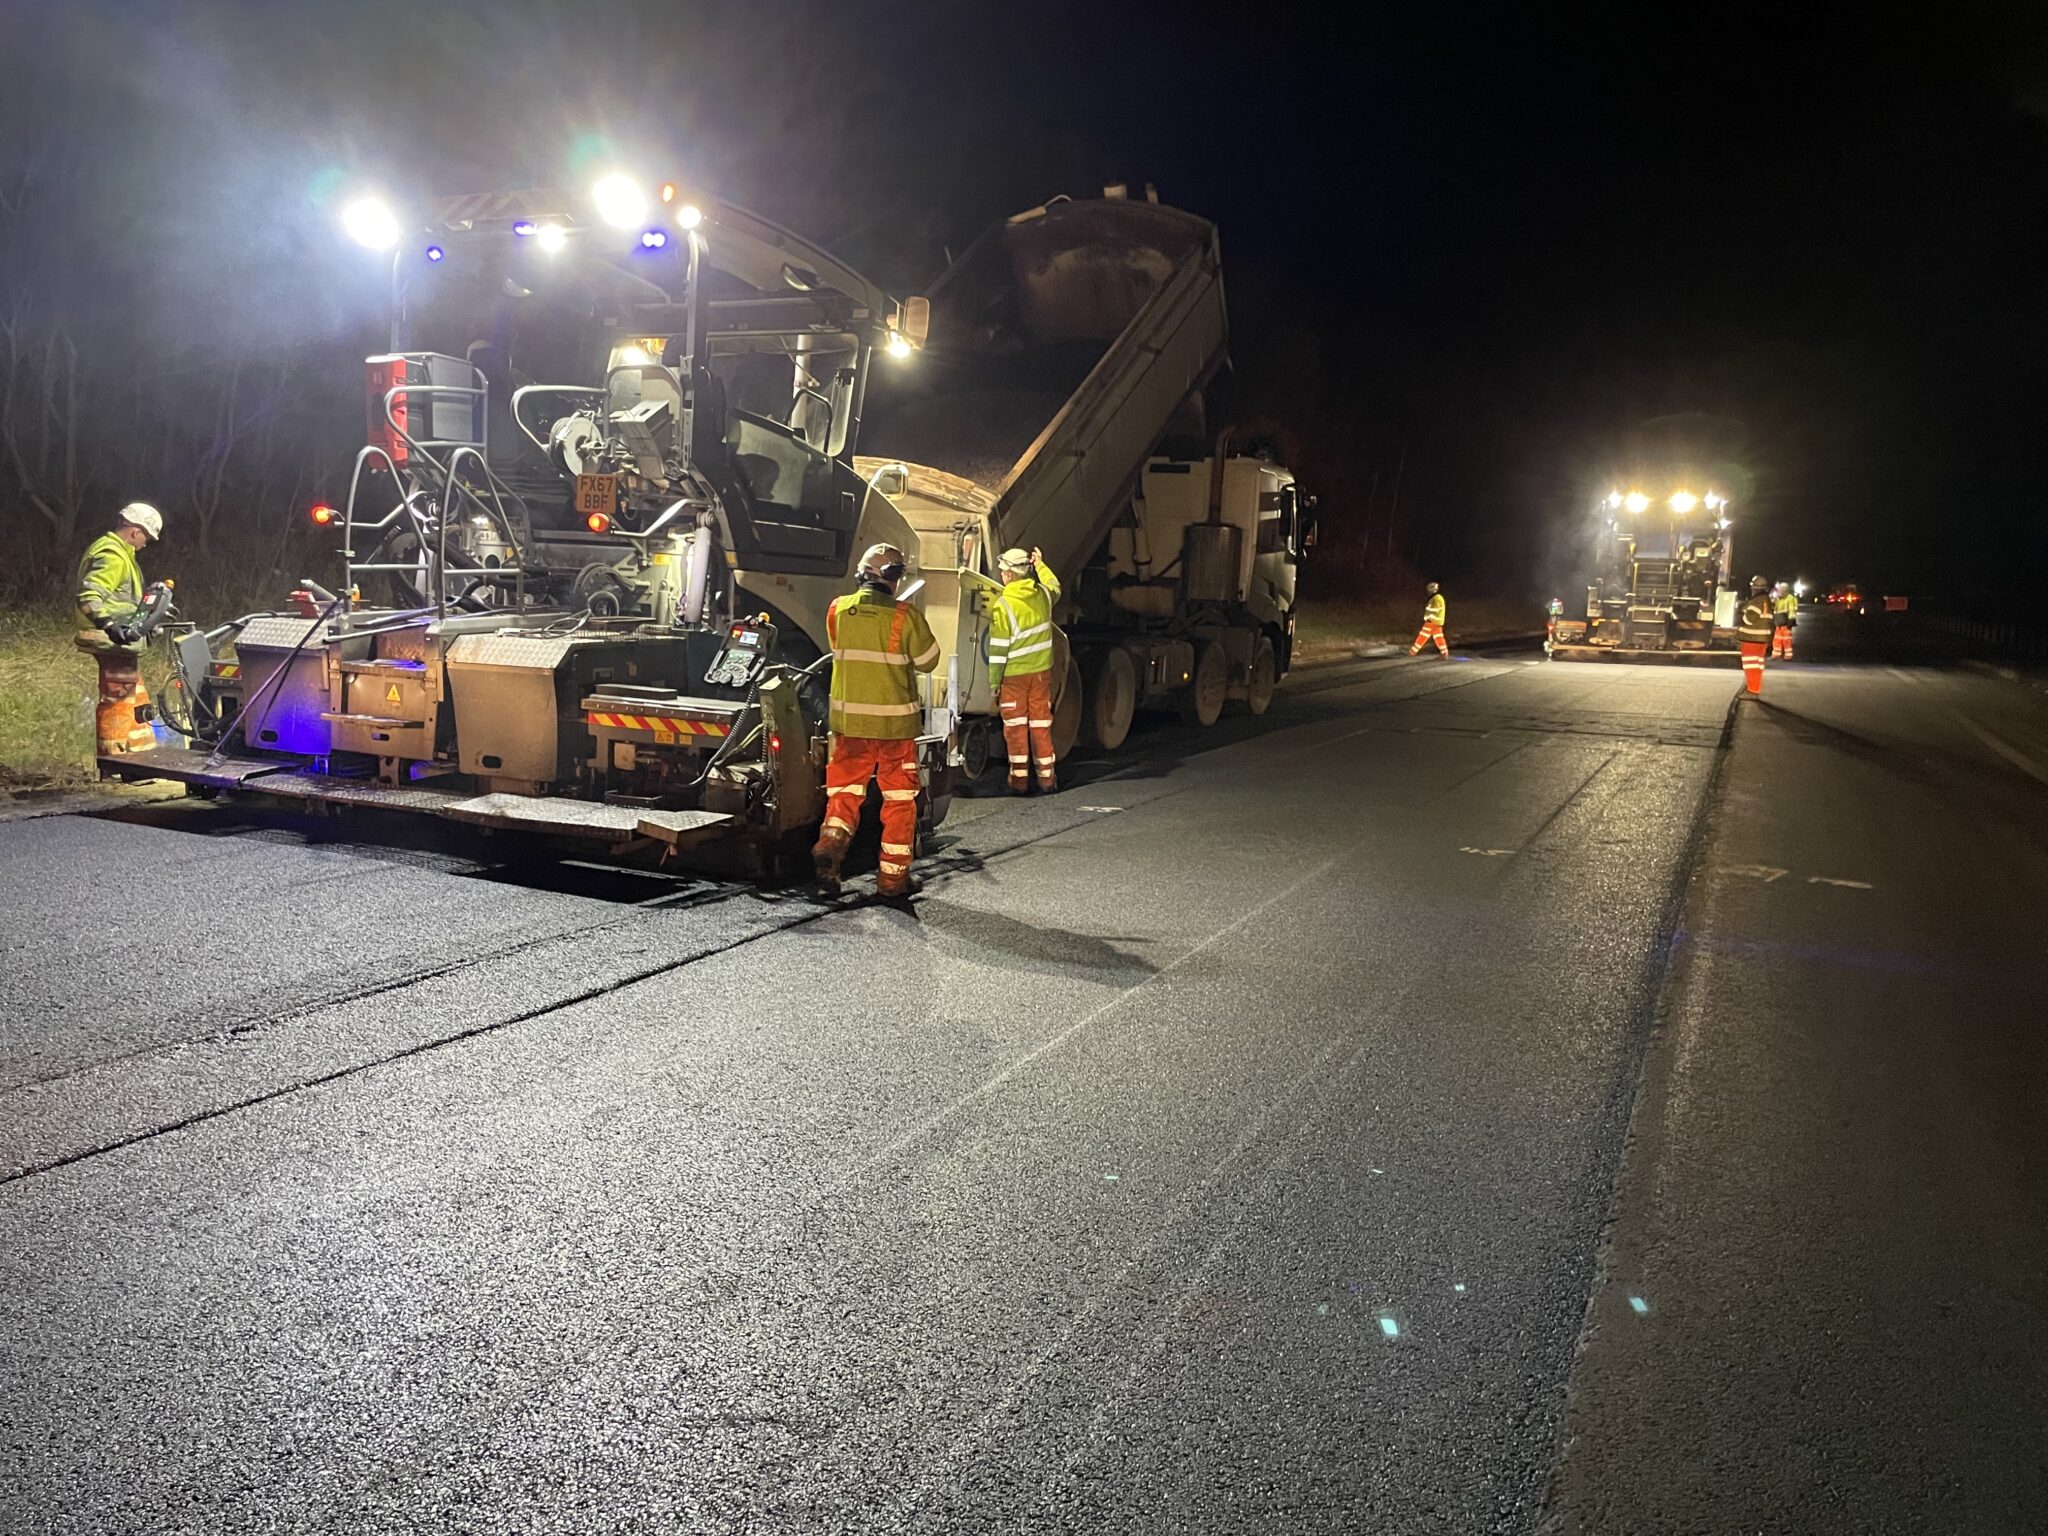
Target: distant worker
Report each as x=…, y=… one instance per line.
x=1550, y=617
x=1784, y=615
x=1432, y=623
x=1020, y=666
x=110, y=611
x=879, y=645
x=1753, y=630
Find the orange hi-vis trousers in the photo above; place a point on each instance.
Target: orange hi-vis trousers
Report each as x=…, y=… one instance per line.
x=892, y=765
x=121, y=695
x=1026, y=706
x=1427, y=633
x=1753, y=664
x=1781, y=643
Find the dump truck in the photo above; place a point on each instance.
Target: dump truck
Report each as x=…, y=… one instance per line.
x=1061, y=403
x=593, y=412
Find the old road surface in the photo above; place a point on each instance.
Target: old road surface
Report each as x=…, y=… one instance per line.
x=1480, y=1096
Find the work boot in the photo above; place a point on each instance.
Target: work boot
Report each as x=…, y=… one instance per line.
x=1020, y=786
x=826, y=857
x=1048, y=787
x=900, y=889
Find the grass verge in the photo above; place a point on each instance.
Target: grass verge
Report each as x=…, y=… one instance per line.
x=47, y=692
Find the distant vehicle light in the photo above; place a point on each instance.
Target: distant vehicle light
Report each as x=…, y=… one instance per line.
x=1799, y=589
x=1683, y=502
x=551, y=237
x=370, y=221
x=689, y=215
x=435, y=253
x=523, y=227
x=323, y=514
x=1636, y=501
x=620, y=202
x=653, y=239
x=897, y=346
x=598, y=522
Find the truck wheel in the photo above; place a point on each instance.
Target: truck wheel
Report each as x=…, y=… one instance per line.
x=1111, y=697
x=1202, y=702
x=1066, y=713
x=1261, y=678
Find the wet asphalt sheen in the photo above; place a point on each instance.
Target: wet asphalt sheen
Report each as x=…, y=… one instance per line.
x=1238, y=1141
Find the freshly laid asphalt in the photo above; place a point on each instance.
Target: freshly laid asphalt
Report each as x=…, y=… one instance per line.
x=1421, y=1109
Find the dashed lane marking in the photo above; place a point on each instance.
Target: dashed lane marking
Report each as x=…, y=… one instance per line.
x=1489, y=853
x=1764, y=872
x=1847, y=885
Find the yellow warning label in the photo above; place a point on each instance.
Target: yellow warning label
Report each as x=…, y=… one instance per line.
x=391, y=694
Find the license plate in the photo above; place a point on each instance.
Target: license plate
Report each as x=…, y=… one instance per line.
x=597, y=493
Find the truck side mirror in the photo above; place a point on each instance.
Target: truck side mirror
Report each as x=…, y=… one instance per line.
x=915, y=323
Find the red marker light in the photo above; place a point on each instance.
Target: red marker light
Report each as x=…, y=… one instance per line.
x=324, y=514
x=775, y=742
x=598, y=522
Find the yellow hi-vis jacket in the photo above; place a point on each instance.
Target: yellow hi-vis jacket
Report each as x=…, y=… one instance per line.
x=109, y=582
x=878, y=647
x=1020, y=627
x=1787, y=606
x=1433, y=610
x=109, y=589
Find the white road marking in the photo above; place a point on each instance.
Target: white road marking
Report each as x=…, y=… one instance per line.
x=1764, y=872
x=2004, y=749
x=1102, y=810
x=1488, y=853
x=1847, y=885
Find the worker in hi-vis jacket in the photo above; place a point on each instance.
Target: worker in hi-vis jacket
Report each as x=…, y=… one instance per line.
x=1020, y=666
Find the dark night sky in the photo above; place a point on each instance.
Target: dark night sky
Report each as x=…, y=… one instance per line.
x=1478, y=247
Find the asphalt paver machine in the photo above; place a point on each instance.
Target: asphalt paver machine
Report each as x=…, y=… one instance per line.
x=599, y=423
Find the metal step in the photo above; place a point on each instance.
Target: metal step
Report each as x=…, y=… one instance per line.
x=375, y=722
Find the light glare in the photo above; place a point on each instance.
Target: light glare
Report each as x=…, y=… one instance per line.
x=689, y=215
x=551, y=237
x=370, y=221
x=620, y=202
x=1637, y=502
x=897, y=347
x=1683, y=502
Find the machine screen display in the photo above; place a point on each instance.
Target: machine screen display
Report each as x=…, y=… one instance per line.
x=740, y=635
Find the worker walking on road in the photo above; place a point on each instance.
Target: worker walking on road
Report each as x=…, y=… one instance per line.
x=879, y=645
x=1784, y=614
x=1020, y=666
x=110, y=599
x=1432, y=623
x=1753, y=630
x=1550, y=617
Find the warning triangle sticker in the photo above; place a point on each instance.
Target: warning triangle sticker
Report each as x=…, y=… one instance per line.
x=391, y=694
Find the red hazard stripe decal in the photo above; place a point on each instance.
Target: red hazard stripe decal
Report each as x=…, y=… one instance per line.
x=674, y=725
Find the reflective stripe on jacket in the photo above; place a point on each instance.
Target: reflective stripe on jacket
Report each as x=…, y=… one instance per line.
x=109, y=582
x=1020, y=627
x=1433, y=610
x=878, y=647
x=1754, y=623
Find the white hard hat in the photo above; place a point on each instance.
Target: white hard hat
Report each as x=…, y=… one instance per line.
x=145, y=517
x=880, y=558
x=1014, y=560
